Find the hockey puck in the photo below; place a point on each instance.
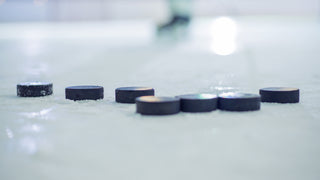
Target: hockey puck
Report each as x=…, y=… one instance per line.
x=198, y=102
x=34, y=89
x=77, y=93
x=280, y=95
x=129, y=94
x=239, y=102
x=151, y=105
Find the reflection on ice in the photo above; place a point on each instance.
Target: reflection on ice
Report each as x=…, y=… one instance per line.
x=224, y=32
x=32, y=128
x=220, y=88
x=9, y=133
x=29, y=145
x=42, y=114
x=35, y=128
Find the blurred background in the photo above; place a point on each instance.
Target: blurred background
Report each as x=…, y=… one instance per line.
x=177, y=47
x=143, y=21
x=95, y=10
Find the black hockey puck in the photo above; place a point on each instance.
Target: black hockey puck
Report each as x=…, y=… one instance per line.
x=151, y=105
x=77, y=93
x=239, y=102
x=280, y=95
x=129, y=94
x=34, y=89
x=198, y=102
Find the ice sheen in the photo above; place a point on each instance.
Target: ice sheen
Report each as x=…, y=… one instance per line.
x=107, y=140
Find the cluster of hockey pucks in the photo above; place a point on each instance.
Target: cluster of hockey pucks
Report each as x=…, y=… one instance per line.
x=149, y=104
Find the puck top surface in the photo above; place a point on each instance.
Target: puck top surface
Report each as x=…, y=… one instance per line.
x=197, y=96
x=34, y=84
x=154, y=99
x=279, y=89
x=238, y=95
x=134, y=89
x=84, y=87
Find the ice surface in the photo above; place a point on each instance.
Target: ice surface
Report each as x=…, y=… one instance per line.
x=54, y=138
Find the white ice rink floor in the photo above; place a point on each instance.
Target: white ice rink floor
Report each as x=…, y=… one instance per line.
x=56, y=139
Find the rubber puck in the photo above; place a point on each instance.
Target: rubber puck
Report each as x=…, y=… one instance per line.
x=129, y=94
x=34, y=89
x=239, y=102
x=77, y=93
x=151, y=105
x=280, y=94
x=198, y=102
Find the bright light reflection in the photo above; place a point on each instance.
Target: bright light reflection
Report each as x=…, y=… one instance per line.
x=206, y=96
x=220, y=88
x=43, y=113
x=224, y=32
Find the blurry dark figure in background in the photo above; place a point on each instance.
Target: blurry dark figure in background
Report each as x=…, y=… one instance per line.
x=180, y=11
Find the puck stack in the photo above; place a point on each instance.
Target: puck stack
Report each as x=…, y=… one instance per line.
x=239, y=102
x=77, y=93
x=129, y=94
x=198, y=102
x=280, y=95
x=34, y=89
x=151, y=105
